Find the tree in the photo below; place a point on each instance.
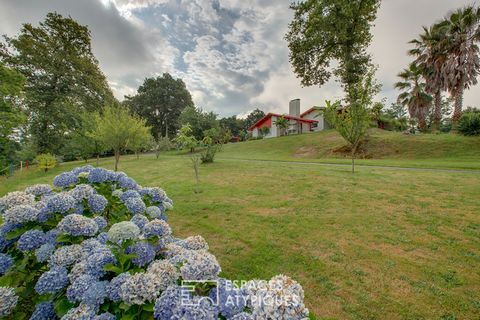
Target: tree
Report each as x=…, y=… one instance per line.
x=252, y=118
x=329, y=37
x=413, y=94
x=82, y=142
x=62, y=77
x=118, y=130
x=264, y=130
x=353, y=121
x=462, y=65
x=11, y=116
x=233, y=124
x=160, y=101
x=282, y=124
x=198, y=120
x=185, y=139
x=430, y=58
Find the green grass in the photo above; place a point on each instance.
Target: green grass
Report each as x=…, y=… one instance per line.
x=380, y=244
x=382, y=148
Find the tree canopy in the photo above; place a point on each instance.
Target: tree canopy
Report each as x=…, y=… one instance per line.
x=160, y=101
x=62, y=77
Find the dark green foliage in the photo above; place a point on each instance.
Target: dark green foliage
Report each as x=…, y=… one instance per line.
x=469, y=124
x=252, y=118
x=11, y=117
x=198, y=120
x=326, y=31
x=208, y=153
x=160, y=101
x=233, y=124
x=62, y=77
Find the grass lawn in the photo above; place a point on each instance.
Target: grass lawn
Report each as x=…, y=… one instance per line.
x=380, y=244
x=381, y=148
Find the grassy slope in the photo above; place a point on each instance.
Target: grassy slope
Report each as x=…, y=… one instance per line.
x=382, y=148
x=379, y=244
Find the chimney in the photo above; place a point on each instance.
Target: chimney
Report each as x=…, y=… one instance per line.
x=294, y=108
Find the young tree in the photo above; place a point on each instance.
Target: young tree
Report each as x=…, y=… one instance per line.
x=185, y=138
x=62, y=77
x=117, y=129
x=264, y=130
x=353, y=121
x=160, y=101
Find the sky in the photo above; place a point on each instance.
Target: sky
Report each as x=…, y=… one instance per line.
x=230, y=53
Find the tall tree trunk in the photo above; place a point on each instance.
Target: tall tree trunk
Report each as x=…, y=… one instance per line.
x=457, y=111
x=117, y=158
x=138, y=154
x=437, y=116
x=166, y=128
x=98, y=159
x=354, y=151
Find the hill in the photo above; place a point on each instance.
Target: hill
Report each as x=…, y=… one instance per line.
x=380, y=148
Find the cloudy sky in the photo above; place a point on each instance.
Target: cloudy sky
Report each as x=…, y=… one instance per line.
x=231, y=53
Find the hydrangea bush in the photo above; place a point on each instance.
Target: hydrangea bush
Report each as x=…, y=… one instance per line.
x=98, y=246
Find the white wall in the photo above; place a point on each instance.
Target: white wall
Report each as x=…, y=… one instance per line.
x=314, y=115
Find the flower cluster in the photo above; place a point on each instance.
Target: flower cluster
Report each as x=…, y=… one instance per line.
x=101, y=244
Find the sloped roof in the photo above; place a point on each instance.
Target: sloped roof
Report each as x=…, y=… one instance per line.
x=268, y=115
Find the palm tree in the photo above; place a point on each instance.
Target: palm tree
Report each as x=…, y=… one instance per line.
x=430, y=57
x=282, y=123
x=462, y=65
x=413, y=94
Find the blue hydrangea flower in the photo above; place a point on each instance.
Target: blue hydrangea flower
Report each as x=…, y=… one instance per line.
x=242, y=316
x=145, y=253
x=82, y=312
x=61, y=203
x=97, y=203
x=198, y=308
x=6, y=263
x=113, y=289
x=166, y=304
x=85, y=169
x=52, y=281
x=155, y=194
x=8, y=301
x=98, y=175
x=20, y=214
x=140, y=220
x=139, y=289
x=44, y=214
x=44, y=252
x=102, y=237
x=197, y=265
x=127, y=183
x=154, y=212
x=80, y=208
x=65, y=179
x=39, y=189
x=44, y=311
x=95, y=263
x=66, y=256
x=101, y=222
x=51, y=236
x=78, y=225
x=105, y=316
x=129, y=194
x=135, y=205
x=82, y=191
x=157, y=228
x=231, y=300
x=31, y=240
x=78, y=288
x=95, y=294
x=125, y=230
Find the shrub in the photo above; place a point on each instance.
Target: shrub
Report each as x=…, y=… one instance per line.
x=97, y=246
x=208, y=153
x=469, y=124
x=46, y=161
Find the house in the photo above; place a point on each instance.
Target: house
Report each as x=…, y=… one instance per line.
x=310, y=120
